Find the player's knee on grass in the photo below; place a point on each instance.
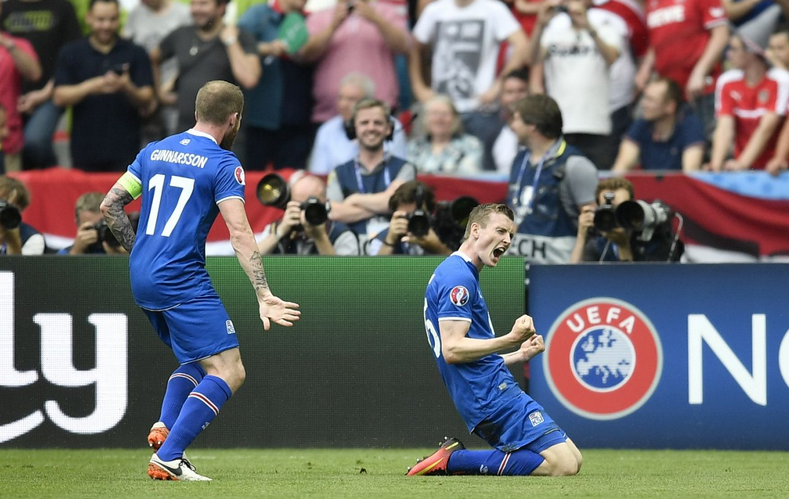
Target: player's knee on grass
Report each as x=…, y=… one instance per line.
x=560, y=460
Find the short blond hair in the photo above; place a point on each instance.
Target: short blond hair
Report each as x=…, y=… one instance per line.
x=217, y=100
x=482, y=213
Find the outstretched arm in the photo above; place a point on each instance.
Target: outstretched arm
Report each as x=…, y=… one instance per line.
x=243, y=240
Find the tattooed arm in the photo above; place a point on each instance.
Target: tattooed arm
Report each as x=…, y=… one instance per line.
x=117, y=219
x=243, y=241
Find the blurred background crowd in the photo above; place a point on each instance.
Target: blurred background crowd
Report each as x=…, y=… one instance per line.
x=446, y=87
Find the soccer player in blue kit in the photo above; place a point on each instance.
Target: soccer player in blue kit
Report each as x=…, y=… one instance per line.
x=186, y=180
x=525, y=440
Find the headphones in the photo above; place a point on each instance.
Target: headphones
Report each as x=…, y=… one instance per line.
x=350, y=125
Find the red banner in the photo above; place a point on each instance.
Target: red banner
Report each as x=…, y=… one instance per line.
x=714, y=217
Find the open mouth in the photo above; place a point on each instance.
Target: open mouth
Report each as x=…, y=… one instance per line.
x=498, y=252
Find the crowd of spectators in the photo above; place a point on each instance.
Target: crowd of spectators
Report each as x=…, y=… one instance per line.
x=373, y=92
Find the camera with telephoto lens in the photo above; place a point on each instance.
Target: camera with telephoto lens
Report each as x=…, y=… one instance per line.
x=642, y=217
x=10, y=216
x=637, y=216
x=273, y=190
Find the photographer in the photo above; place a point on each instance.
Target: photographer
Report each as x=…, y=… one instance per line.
x=295, y=235
x=595, y=244
x=92, y=237
x=410, y=231
x=16, y=237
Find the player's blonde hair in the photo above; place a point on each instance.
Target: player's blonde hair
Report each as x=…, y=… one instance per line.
x=481, y=214
x=217, y=100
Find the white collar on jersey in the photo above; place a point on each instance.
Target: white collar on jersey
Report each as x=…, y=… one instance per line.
x=462, y=255
x=201, y=134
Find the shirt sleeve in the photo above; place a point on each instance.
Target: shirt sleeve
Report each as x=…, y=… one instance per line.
x=455, y=294
x=424, y=31
x=692, y=131
x=399, y=142
x=781, y=97
x=229, y=182
x=407, y=172
x=724, y=102
x=319, y=159
x=347, y=244
x=712, y=13
x=34, y=246
x=135, y=168
x=167, y=46
x=319, y=21
x=638, y=132
x=504, y=23
x=247, y=42
x=610, y=37
x=333, y=188
x=248, y=21
x=63, y=67
x=141, y=74
x=581, y=181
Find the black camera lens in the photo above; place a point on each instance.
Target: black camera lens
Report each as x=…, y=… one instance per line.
x=605, y=218
x=419, y=223
x=273, y=190
x=10, y=217
x=315, y=212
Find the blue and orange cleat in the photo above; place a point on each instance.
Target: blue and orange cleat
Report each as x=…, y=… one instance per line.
x=436, y=463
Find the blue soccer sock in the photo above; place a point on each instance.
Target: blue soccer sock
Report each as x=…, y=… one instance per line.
x=493, y=462
x=181, y=383
x=201, y=407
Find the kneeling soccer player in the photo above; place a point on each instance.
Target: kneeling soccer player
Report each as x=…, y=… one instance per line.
x=525, y=439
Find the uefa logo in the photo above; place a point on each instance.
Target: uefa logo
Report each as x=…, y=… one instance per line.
x=603, y=358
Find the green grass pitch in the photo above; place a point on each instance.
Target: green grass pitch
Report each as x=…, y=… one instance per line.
x=285, y=473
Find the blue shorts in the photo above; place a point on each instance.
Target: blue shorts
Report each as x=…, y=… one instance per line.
x=521, y=424
x=195, y=329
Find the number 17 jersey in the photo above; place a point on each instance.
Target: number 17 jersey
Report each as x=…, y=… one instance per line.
x=183, y=177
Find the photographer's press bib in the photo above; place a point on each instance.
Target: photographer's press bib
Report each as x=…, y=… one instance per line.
x=542, y=249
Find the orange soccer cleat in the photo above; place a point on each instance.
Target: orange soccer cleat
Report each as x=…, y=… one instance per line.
x=436, y=463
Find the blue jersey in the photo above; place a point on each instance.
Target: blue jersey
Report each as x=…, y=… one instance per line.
x=478, y=388
x=183, y=179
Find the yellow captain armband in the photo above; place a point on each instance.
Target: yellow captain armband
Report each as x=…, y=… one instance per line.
x=131, y=184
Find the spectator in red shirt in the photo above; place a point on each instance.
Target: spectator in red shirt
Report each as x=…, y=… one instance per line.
x=750, y=102
x=687, y=38
x=18, y=61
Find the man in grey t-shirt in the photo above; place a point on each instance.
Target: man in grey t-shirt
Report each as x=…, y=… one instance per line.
x=209, y=50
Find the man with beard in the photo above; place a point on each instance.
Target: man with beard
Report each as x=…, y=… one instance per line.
x=209, y=50
x=187, y=179
x=107, y=81
x=360, y=189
